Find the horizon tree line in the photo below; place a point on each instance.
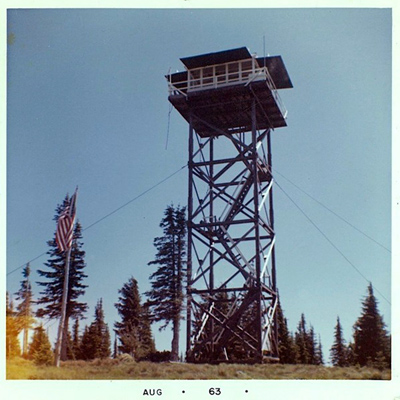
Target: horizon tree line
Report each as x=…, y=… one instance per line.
x=164, y=303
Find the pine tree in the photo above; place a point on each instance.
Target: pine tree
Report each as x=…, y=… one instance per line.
x=24, y=308
x=319, y=360
x=70, y=347
x=13, y=329
x=301, y=340
x=88, y=343
x=371, y=340
x=75, y=343
x=147, y=346
x=40, y=349
x=286, y=346
x=96, y=342
x=129, y=309
x=115, y=350
x=51, y=296
x=350, y=355
x=339, y=349
x=104, y=349
x=311, y=346
x=166, y=294
x=306, y=349
x=133, y=331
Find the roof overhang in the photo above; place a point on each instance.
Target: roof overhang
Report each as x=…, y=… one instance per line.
x=220, y=57
x=277, y=70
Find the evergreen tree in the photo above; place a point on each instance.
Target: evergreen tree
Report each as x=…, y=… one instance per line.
x=24, y=308
x=286, y=346
x=115, y=352
x=40, y=349
x=13, y=329
x=75, y=343
x=70, y=347
x=166, y=294
x=305, y=344
x=350, y=355
x=301, y=340
x=311, y=346
x=339, y=349
x=319, y=354
x=147, y=345
x=296, y=349
x=51, y=296
x=104, y=350
x=133, y=331
x=129, y=309
x=87, y=348
x=371, y=340
x=96, y=340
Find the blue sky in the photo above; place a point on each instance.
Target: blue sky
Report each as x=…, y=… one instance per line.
x=87, y=106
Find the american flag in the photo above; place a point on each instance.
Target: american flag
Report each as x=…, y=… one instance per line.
x=65, y=225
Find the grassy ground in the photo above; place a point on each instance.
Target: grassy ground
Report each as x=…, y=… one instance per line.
x=19, y=368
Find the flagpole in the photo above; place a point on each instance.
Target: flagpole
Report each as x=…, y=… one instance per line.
x=68, y=242
x=57, y=354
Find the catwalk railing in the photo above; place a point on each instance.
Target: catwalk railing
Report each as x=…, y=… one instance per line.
x=242, y=72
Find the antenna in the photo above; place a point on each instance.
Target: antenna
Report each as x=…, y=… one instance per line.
x=169, y=121
x=264, y=49
x=169, y=112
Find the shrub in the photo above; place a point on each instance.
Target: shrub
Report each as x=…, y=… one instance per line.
x=125, y=358
x=43, y=356
x=158, y=356
x=40, y=348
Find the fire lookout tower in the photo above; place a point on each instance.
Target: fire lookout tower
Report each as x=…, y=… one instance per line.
x=230, y=100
